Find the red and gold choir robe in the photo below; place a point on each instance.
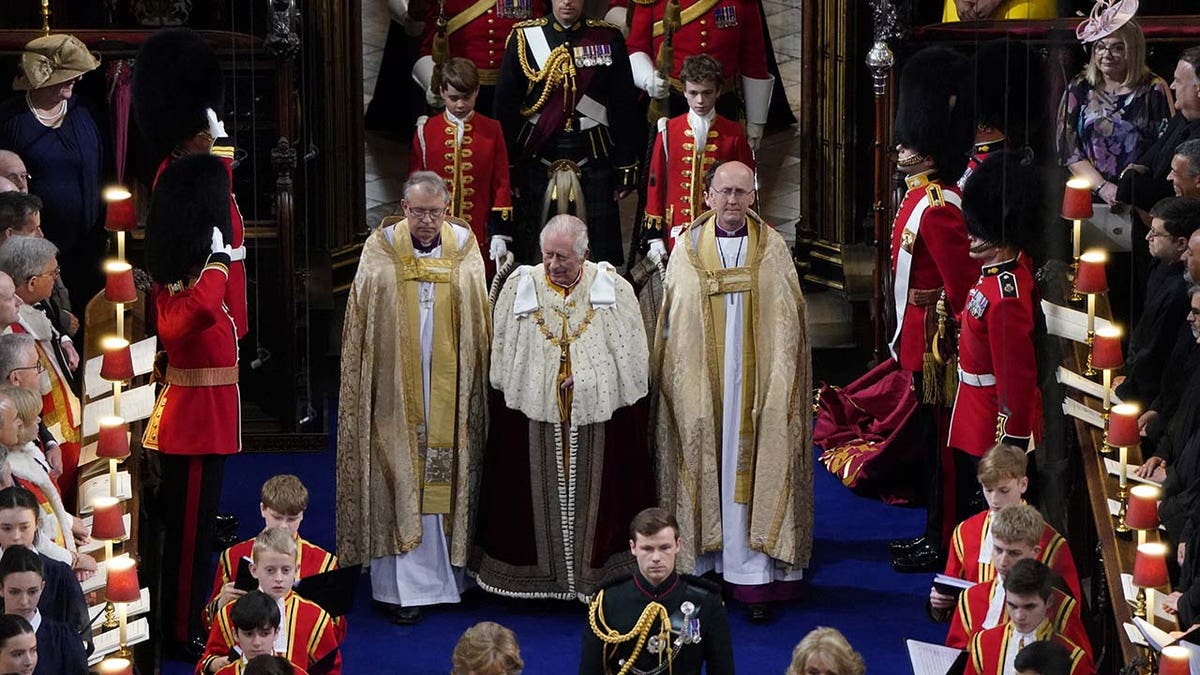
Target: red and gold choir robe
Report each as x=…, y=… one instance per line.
x=475, y=170
x=238, y=667
x=476, y=30
x=1062, y=611
x=310, y=559
x=998, y=396
x=675, y=189
x=309, y=632
x=988, y=649
x=235, y=286
x=929, y=253
x=963, y=559
x=198, y=412
x=730, y=31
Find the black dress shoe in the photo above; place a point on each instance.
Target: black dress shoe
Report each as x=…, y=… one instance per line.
x=926, y=558
x=758, y=613
x=901, y=546
x=405, y=616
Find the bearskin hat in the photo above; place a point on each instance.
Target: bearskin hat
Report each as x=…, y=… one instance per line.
x=1008, y=89
x=934, y=115
x=190, y=198
x=1004, y=200
x=175, y=78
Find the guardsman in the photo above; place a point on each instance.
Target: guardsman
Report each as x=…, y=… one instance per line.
x=467, y=150
x=177, y=92
x=565, y=100
x=679, y=163
x=730, y=31
x=997, y=399
x=1007, y=100
x=664, y=621
x=474, y=30
x=930, y=260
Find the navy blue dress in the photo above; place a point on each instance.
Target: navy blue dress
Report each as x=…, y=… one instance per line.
x=62, y=599
x=60, y=650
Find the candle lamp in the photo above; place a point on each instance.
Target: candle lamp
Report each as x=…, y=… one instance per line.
x=116, y=666
x=1077, y=207
x=119, y=214
x=1142, y=513
x=1107, y=356
x=116, y=366
x=1123, y=434
x=1149, y=572
x=121, y=588
x=1174, y=660
x=113, y=445
x=119, y=289
x=108, y=525
x=1091, y=280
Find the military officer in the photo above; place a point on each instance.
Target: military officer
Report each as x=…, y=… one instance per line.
x=997, y=397
x=662, y=620
x=566, y=104
x=730, y=31
x=934, y=132
x=474, y=30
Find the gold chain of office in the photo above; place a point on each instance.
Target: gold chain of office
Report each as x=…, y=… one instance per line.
x=640, y=630
x=562, y=342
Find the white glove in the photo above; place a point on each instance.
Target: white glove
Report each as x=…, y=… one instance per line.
x=618, y=16
x=646, y=77
x=433, y=99
x=754, y=134
x=657, y=251
x=657, y=86
x=215, y=127
x=398, y=9
x=497, y=249
x=218, y=243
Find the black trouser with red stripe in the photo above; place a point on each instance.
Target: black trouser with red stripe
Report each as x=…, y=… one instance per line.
x=188, y=496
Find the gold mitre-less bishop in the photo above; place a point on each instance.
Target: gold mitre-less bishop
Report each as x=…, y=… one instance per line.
x=399, y=459
x=772, y=424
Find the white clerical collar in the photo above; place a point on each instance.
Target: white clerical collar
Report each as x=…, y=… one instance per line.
x=281, y=639
x=701, y=123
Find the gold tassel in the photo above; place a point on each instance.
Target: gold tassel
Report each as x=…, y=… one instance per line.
x=950, y=381
x=929, y=379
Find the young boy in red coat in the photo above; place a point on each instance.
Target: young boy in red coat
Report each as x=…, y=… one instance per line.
x=256, y=624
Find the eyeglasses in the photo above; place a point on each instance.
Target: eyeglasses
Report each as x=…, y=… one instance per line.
x=38, y=367
x=1113, y=48
x=731, y=193
x=424, y=214
x=56, y=272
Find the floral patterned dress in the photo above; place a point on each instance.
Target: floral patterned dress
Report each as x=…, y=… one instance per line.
x=1108, y=130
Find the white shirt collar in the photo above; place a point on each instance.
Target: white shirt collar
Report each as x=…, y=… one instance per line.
x=36, y=621
x=700, y=125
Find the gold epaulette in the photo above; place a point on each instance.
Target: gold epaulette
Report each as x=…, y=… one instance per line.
x=601, y=23
x=934, y=192
x=645, y=3
x=540, y=21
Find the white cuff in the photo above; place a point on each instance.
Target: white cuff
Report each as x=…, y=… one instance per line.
x=757, y=95
x=422, y=72
x=643, y=70
x=238, y=253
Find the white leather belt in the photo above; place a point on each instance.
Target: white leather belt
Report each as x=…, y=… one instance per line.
x=238, y=253
x=973, y=380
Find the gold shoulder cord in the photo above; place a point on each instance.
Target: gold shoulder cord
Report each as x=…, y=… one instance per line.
x=640, y=631
x=558, y=71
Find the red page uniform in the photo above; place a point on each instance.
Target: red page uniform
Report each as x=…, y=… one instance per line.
x=310, y=559
x=678, y=164
x=971, y=616
x=306, y=633
x=989, y=650
x=966, y=551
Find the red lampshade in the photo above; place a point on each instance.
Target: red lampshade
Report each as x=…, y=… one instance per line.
x=117, y=365
x=1077, y=199
x=1142, y=512
x=119, y=215
x=1122, y=426
x=1106, y=349
x=1174, y=661
x=1150, y=565
x=108, y=522
x=116, y=666
x=122, y=584
x=118, y=283
x=1090, y=278
x=114, y=438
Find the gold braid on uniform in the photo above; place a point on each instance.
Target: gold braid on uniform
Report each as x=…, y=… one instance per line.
x=558, y=71
x=640, y=631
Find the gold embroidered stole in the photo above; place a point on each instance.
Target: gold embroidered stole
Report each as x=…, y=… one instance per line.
x=435, y=438
x=717, y=281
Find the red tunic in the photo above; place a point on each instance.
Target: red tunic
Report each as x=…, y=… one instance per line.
x=940, y=259
x=235, y=288
x=730, y=31
x=475, y=171
x=310, y=635
x=997, y=391
x=675, y=190
x=480, y=40
x=238, y=667
x=963, y=559
x=1062, y=611
x=987, y=651
x=310, y=559
x=197, y=332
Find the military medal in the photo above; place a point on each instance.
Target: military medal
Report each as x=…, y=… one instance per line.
x=513, y=9
x=690, y=631
x=725, y=17
x=977, y=303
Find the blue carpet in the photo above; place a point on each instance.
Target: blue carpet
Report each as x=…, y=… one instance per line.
x=851, y=587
